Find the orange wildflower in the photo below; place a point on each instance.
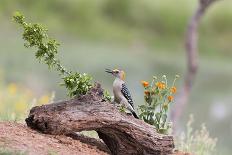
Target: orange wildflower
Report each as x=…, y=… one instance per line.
x=170, y=98
x=161, y=85
x=173, y=89
x=145, y=83
x=146, y=92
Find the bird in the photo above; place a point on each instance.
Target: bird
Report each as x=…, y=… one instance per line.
x=122, y=94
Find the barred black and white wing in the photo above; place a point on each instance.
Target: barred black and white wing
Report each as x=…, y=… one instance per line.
x=127, y=94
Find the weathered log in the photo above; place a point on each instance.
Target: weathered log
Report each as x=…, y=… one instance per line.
x=122, y=133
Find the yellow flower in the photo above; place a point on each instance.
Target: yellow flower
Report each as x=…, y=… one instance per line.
x=161, y=85
x=170, y=98
x=173, y=89
x=145, y=83
x=12, y=88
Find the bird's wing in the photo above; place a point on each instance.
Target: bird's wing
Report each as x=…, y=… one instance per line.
x=127, y=95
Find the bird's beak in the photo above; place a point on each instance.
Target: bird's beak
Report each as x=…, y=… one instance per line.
x=109, y=71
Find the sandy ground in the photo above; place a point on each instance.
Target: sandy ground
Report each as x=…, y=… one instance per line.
x=19, y=137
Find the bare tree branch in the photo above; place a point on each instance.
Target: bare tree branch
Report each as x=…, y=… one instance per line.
x=191, y=46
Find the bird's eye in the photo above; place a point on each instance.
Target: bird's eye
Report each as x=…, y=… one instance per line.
x=117, y=72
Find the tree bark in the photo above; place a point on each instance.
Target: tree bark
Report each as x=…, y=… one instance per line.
x=122, y=133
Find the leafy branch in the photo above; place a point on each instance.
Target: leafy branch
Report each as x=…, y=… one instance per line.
x=36, y=36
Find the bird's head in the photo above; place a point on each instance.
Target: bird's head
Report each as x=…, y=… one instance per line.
x=117, y=73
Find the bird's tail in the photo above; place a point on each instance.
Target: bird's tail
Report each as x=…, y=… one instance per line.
x=134, y=114
x=132, y=111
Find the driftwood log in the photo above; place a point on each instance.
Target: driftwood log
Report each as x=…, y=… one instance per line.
x=122, y=133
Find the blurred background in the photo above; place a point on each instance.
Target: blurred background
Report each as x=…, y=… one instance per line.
x=144, y=38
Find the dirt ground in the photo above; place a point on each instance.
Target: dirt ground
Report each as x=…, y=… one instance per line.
x=18, y=137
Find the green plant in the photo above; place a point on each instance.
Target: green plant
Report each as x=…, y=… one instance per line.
x=36, y=36
x=198, y=142
x=107, y=96
x=158, y=96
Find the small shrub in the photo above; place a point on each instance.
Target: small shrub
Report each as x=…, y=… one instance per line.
x=158, y=96
x=36, y=36
x=107, y=96
x=198, y=142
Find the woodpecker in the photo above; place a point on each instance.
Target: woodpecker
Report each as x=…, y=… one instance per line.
x=122, y=95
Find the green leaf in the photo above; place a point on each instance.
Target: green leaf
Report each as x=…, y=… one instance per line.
x=164, y=118
x=157, y=115
x=142, y=106
x=164, y=92
x=107, y=96
x=156, y=125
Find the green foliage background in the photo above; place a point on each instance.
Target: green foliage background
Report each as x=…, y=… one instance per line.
x=144, y=38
